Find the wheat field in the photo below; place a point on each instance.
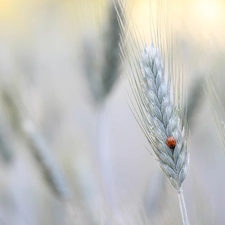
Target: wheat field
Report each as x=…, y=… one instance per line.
x=71, y=151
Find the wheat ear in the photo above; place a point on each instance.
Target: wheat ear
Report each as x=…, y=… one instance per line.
x=161, y=120
x=25, y=128
x=156, y=85
x=156, y=104
x=6, y=147
x=102, y=75
x=195, y=99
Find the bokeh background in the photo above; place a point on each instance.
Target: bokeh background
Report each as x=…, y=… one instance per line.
x=71, y=151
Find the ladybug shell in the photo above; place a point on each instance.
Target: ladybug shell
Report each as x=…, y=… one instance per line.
x=171, y=142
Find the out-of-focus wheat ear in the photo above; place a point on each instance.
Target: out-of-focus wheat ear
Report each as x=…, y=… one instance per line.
x=217, y=108
x=6, y=147
x=91, y=68
x=102, y=71
x=111, y=51
x=42, y=154
x=195, y=99
x=24, y=127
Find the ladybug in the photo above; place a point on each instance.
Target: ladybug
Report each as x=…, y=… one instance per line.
x=171, y=142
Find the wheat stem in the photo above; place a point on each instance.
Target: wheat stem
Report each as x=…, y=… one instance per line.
x=182, y=207
x=104, y=157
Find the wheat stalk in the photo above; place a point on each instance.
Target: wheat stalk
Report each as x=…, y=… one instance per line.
x=156, y=85
x=102, y=67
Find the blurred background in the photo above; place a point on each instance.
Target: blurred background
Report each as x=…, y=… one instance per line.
x=71, y=151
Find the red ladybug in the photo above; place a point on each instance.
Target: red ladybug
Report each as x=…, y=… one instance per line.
x=171, y=142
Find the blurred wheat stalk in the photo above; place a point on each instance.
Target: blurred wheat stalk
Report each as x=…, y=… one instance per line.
x=101, y=80
x=157, y=85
